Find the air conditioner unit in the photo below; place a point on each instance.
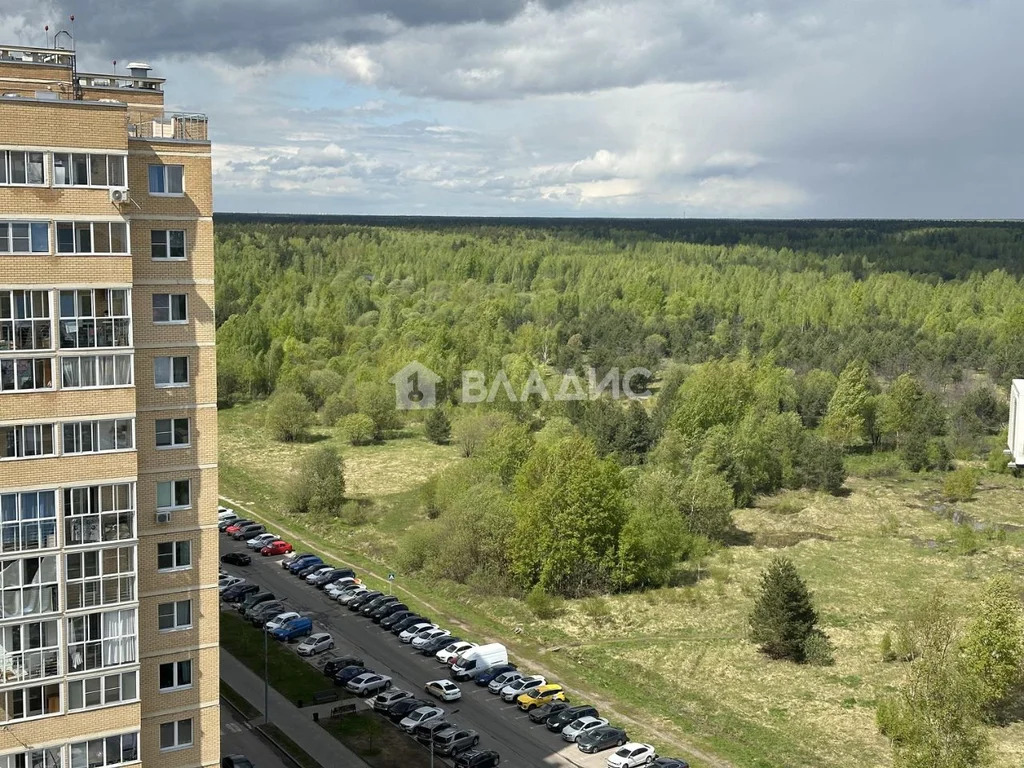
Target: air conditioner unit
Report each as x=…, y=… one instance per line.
x=120, y=195
x=163, y=517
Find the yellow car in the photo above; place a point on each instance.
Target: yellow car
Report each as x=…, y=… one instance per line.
x=541, y=695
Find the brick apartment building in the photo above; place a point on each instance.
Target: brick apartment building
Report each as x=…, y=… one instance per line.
x=108, y=430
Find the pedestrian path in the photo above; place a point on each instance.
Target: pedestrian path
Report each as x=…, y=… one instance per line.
x=295, y=722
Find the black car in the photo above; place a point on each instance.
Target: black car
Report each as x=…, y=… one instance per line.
x=310, y=570
x=543, y=712
x=363, y=599
x=249, y=532
x=340, y=662
x=391, y=619
x=559, y=720
x=478, y=758
x=329, y=578
x=345, y=674
x=670, y=762
x=605, y=737
x=408, y=621
x=236, y=558
x=239, y=592
x=383, y=701
x=425, y=733
x=236, y=761
x=345, y=573
x=255, y=599
x=378, y=602
x=223, y=525
x=398, y=711
x=485, y=677
x=382, y=611
x=264, y=612
x=435, y=645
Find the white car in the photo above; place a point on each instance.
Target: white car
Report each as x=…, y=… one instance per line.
x=346, y=596
x=503, y=679
x=280, y=620
x=368, y=684
x=226, y=513
x=449, y=652
x=520, y=686
x=314, y=644
x=318, y=573
x=425, y=637
x=259, y=542
x=577, y=728
x=335, y=588
x=410, y=632
x=420, y=716
x=445, y=690
x=632, y=754
x=285, y=561
x=228, y=581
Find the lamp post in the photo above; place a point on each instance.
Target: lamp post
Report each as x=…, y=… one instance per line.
x=454, y=711
x=266, y=676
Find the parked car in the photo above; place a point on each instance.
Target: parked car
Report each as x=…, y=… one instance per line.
x=259, y=542
x=435, y=644
x=559, y=720
x=235, y=558
x=368, y=684
x=279, y=547
x=335, y=575
x=302, y=562
x=387, y=622
x=597, y=739
x=512, y=691
x=340, y=662
x=310, y=578
x=542, y=713
x=228, y=581
x=473, y=661
x=343, y=675
x=504, y=679
x=539, y=696
x=383, y=701
x=397, y=710
x=632, y=755
x=334, y=587
x=423, y=638
x=445, y=690
x=239, y=592
x=485, y=677
x=225, y=513
x=422, y=715
x=362, y=599
x=315, y=644
x=582, y=725
x=400, y=626
x=262, y=613
x=235, y=523
x=447, y=654
x=425, y=733
x=478, y=758
x=255, y=598
x=383, y=611
x=310, y=569
x=235, y=761
x=291, y=557
x=248, y=532
x=378, y=602
x=280, y=620
x=453, y=740
x=670, y=762
x=347, y=596
x=294, y=628
x=412, y=630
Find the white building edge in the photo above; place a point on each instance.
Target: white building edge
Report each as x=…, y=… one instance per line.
x=1015, y=435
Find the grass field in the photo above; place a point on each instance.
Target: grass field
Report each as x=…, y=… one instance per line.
x=379, y=743
x=677, y=660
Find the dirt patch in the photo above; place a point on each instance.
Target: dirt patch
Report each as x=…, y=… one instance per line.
x=781, y=540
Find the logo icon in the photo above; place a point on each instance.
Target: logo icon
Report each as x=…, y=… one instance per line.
x=415, y=387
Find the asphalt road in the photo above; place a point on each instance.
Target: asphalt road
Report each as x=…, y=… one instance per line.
x=502, y=727
x=236, y=739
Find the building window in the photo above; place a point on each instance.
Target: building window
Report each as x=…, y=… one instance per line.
x=102, y=691
x=175, y=675
x=173, y=555
x=174, y=494
x=25, y=320
x=25, y=441
x=174, y=616
x=29, y=651
x=98, y=513
x=24, y=374
x=167, y=243
x=167, y=179
x=28, y=586
x=100, y=577
x=170, y=371
x=28, y=520
x=99, y=640
x=172, y=433
x=93, y=371
x=170, y=308
x=34, y=758
x=24, y=237
x=92, y=237
x=82, y=170
x=94, y=318
x=101, y=436
x=18, y=167
x=105, y=753
x=34, y=701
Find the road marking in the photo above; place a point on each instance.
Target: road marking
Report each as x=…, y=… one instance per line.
x=232, y=728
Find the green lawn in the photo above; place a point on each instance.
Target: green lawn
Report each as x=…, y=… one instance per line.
x=375, y=740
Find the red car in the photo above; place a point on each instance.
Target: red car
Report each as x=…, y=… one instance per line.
x=276, y=548
x=234, y=528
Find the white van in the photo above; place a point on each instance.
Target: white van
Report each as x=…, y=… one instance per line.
x=473, y=661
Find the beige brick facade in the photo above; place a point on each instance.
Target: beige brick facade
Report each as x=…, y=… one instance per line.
x=102, y=676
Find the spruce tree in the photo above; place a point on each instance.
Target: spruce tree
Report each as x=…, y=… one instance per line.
x=437, y=427
x=783, y=616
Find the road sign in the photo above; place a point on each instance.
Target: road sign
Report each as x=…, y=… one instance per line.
x=391, y=577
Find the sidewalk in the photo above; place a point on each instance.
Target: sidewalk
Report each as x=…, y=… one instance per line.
x=297, y=723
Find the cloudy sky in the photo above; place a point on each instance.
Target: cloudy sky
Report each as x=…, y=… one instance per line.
x=779, y=108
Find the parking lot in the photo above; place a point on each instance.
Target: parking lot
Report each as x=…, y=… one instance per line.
x=502, y=727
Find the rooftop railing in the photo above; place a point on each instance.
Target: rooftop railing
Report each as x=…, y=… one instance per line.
x=182, y=126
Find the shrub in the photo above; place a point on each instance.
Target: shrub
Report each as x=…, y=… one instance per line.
x=542, y=604
x=319, y=487
x=885, y=647
x=960, y=484
x=938, y=454
x=358, y=428
x=437, y=427
x=335, y=407
x=289, y=415
x=818, y=649
x=596, y=608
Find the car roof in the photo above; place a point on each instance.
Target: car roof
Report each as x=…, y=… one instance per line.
x=318, y=636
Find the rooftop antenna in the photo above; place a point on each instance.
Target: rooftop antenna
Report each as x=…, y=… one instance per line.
x=63, y=35
x=46, y=34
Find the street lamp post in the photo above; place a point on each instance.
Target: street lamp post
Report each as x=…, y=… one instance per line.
x=266, y=676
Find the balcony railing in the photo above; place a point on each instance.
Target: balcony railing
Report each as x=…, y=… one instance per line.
x=183, y=126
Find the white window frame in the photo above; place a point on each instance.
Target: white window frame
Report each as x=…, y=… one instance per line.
x=109, y=639
x=164, y=179
x=94, y=433
x=79, y=752
x=92, y=512
x=180, y=553
x=43, y=656
x=169, y=300
x=26, y=441
x=20, y=515
x=49, y=757
x=8, y=237
x=84, y=314
x=172, y=611
x=102, y=686
x=13, y=372
x=78, y=228
x=121, y=365
x=100, y=578
x=173, y=491
x=110, y=161
x=9, y=695
x=169, y=427
x=37, y=597
x=7, y=167
x=176, y=675
x=167, y=247
x=25, y=310
x=169, y=362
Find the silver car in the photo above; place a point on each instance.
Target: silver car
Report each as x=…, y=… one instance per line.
x=522, y=685
x=453, y=740
x=314, y=644
x=503, y=679
x=577, y=728
x=420, y=716
x=347, y=596
x=368, y=684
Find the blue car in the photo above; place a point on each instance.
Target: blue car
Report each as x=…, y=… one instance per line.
x=490, y=673
x=299, y=563
x=301, y=626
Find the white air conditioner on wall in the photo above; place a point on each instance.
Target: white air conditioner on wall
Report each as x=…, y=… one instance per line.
x=163, y=517
x=120, y=195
